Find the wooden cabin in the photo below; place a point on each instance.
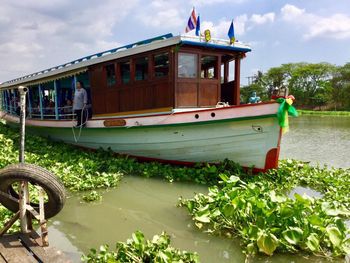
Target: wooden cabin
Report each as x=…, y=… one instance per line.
x=154, y=75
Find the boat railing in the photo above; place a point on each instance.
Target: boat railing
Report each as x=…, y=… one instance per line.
x=65, y=112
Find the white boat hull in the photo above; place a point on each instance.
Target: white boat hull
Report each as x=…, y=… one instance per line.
x=250, y=137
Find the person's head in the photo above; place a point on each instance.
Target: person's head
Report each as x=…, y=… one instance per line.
x=68, y=102
x=80, y=84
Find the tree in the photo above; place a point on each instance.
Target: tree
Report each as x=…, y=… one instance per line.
x=341, y=87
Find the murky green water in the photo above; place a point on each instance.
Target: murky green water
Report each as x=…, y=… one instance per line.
x=322, y=140
x=149, y=205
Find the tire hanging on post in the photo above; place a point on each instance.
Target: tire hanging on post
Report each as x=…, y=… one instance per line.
x=35, y=175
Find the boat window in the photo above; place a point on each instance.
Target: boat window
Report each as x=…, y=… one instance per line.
x=141, y=68
x=161, y=65
x=209, y=67
x=125, y=72
x=187, y=66
x=110, y=72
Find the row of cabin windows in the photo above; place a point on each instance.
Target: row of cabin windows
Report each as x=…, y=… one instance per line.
x=160, y=65
x=188, y=66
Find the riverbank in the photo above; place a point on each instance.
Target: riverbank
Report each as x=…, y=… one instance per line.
x=324, y=113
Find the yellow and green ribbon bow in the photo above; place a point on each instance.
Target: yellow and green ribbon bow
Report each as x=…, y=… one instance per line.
x=284, y=109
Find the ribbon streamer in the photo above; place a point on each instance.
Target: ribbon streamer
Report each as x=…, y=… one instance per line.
x=284, y=110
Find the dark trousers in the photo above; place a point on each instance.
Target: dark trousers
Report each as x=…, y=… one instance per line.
x=81, y=118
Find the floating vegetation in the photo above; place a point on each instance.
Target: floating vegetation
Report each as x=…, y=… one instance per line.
x=258, y=210
x=138, y=249
x=92, y=196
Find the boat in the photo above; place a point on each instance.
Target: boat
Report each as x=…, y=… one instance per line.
x=173, y=99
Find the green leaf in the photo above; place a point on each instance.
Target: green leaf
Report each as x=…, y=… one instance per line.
x=330, y=210
x=277, y=198
x=313, y=243
x=267, y=243
x=228, y=210
x=223, y=177
x=138, y=237
x=315, y=220
x=203, y=218
x=334, y=235
x=233, y=179
x=346, y=246
x=293, y=235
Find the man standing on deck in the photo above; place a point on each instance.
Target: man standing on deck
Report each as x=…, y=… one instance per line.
x=79, y=104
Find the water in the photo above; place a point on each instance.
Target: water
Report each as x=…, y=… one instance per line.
x=319, y=140
x=149, y=205
x=142, y=204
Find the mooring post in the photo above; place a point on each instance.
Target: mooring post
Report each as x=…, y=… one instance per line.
x=23, y=188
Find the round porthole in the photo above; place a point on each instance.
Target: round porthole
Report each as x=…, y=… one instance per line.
x=212, y=114
x=196, y=116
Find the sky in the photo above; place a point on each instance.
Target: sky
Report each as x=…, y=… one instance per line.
x=38, y=34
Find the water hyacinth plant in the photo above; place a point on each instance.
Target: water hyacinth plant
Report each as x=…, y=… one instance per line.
x=267, y=220
x=139, y=250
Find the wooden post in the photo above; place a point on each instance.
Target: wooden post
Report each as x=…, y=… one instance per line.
x=226, y=71
x=43, y=225
x=23, y=188
x=23, y=206
x=237, y=82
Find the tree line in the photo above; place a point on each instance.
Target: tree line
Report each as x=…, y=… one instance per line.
x=315, y=86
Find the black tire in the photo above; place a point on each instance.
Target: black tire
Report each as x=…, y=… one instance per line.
x=37, y=176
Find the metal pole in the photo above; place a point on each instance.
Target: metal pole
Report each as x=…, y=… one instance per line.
x=23, y=190
x=56, y=99
x=41, y=102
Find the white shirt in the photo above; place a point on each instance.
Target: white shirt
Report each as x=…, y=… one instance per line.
x=80, y=98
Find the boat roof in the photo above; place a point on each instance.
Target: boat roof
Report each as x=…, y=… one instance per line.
x=81, y=64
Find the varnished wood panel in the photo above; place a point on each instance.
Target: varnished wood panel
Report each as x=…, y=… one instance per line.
x=163, y=94
x=112, y=101
x=97, y=90
x=186, y=94
x=208, y=93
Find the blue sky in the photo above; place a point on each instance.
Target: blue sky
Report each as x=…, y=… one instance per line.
x=37, y=34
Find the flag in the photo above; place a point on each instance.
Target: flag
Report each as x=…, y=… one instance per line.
x=192, y=22
x=198, y=26
x=231, y=33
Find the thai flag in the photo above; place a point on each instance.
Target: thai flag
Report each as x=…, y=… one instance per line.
x=192, y=22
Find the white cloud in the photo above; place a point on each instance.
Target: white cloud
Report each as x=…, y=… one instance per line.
x=291, y=12
x=262, y=19
x=336, y=26
x=220, y=30
x=39, y=35
x=160, y=13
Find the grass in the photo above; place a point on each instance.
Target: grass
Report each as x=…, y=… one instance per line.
x=324, y=113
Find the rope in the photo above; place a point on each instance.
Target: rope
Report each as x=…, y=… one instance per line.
x=76, y=139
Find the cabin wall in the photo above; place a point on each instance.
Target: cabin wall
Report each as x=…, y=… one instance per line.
x=207, y=84
x=135, y=86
